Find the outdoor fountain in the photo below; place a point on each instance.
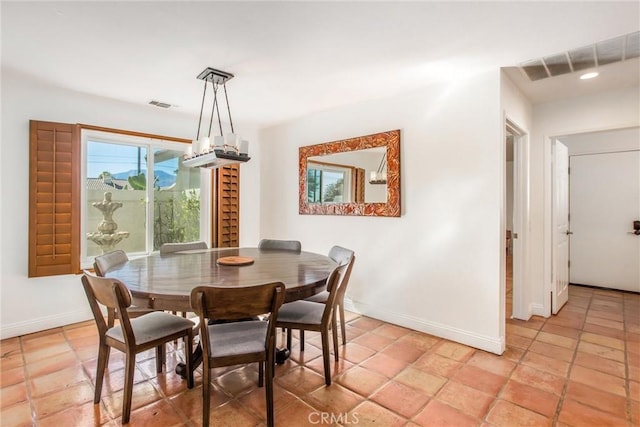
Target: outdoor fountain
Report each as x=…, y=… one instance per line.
x=106, y=237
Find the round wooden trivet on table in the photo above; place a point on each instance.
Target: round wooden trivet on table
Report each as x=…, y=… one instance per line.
x=235, y=260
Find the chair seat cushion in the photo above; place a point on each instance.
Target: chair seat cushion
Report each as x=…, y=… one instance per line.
x=152, y=326
x=236, y=338
x=320, y=297
x=302, y=311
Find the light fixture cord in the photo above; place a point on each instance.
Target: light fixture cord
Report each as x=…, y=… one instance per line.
x=215, y=100
x=204, y=93
x=224, y=85
x=213, y=108
x=383, y=163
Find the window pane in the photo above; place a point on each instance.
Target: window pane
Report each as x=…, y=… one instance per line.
x=332, y=186
x=116, y=194
x=176, y=199
x=313, y=185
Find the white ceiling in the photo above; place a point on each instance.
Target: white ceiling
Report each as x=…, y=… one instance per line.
x=295, y=58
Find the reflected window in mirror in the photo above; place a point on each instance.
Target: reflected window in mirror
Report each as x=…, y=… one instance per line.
x=335, y=176
x=329, y=183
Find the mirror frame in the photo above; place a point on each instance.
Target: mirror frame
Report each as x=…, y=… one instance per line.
x=390, y=140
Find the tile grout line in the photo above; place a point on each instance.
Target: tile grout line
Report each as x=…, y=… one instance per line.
x=627, y=384
x=27, y=385
x=518, y=363
x=563, y=395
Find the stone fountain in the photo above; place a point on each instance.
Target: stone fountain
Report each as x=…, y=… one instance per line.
x=106, y=237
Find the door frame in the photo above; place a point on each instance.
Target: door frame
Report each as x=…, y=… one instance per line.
x=543, y=308
x=521, y=208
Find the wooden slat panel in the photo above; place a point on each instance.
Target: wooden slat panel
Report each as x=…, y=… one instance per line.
x=227, y=206
x=46, y=250
x=54, y=198
x=50, y=270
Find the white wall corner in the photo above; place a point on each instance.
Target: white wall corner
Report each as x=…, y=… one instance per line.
x=43, y=323
x=495, y=345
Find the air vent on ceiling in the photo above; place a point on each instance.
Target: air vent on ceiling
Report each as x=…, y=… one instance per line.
x=159, y=104
x=602, y=53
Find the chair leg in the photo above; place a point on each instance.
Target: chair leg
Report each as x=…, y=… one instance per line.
x=270, y=371
x=342, y=325
x=188, y=348
x=160, y=358
x=325, y=357
x=301, y=339
x=206, y=373
x=334, y=334
x=128, y=386
x=103, y=359
x=289, y=338
x=260, y=374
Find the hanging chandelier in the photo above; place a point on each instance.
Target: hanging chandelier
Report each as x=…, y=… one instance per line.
x=227, y=148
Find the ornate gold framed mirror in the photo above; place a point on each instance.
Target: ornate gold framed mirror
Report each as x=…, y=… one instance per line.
x=356, y=176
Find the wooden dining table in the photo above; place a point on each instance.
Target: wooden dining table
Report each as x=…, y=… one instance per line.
x=164, y=282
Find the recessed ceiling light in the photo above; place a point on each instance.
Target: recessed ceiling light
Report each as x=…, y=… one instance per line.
x=591, y=75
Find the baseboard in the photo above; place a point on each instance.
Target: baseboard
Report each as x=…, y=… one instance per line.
x=43, y=323
x=482, y=342
x=538, y=310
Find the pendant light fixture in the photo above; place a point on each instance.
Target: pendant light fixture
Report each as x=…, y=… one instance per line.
x=226, y=148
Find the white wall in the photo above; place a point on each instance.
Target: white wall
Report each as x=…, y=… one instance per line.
x=437, y=267
x=603, y=111
x=608, y=141
x=29, y=305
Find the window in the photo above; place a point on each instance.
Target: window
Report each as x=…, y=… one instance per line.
x=137, y=195
x=171, y=204
x=328, y=183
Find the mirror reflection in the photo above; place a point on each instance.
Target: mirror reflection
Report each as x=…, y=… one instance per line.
x=355, y=176
x=350, y=177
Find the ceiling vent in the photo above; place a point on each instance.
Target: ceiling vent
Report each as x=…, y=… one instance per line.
x=602, y=53
x=159, y=104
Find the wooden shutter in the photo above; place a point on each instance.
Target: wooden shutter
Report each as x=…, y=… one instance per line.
x=54, y=198
x=359, y=184
x=227, y=207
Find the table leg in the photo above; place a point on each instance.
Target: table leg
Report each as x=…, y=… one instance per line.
x=282, y=354
x=196, y=360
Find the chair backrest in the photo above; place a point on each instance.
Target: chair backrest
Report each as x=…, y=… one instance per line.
x=344, y=280
x=105, y=262
x=283, y=245
x=341, y=255
x=335, y=284
x=169, y=248
x=110, y=293
x=235, y=303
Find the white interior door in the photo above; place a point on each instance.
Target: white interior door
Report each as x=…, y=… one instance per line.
x=560, y=290
x=605, y=200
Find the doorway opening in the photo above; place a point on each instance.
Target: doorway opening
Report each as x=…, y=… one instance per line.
x=516, y=219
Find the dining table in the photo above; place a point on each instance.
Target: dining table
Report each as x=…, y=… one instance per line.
x=164, y=282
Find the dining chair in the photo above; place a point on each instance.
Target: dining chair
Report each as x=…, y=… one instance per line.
x=132, y=336
x=311, y=316
x=102, y=264
x=341, y=256
x=238, y=342
x=169, y=248
x=283, y=245
x=105, y=262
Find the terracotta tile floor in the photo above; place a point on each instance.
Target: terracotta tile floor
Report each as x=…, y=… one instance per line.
x=579, y=368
